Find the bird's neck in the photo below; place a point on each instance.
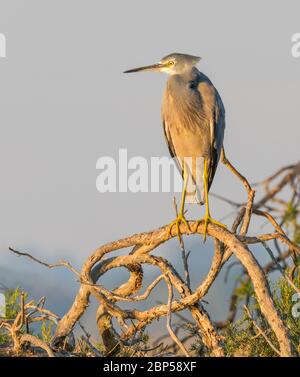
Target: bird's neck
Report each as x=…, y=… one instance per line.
x=186, y=75
x=183, y=78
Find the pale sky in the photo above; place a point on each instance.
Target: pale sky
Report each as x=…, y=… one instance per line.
x=65, y=102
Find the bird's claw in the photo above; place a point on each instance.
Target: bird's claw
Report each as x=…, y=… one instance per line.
x=208, y=219
x=180, y=219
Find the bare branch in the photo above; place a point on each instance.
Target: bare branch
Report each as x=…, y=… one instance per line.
x=169, y=327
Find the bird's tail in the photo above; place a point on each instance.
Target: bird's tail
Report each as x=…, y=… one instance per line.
x=195, y=197
x=195, y=184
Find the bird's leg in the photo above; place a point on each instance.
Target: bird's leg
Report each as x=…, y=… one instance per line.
x=180, y=218
x=207, y=218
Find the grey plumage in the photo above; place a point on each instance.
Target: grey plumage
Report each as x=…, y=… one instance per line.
x=193, y=119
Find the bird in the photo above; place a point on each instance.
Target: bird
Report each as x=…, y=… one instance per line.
x=193, y=117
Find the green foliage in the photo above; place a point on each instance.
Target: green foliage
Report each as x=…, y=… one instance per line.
x=283, y=297
x=296, y=237
x=46, y=331
x=244, y=290
x=290, y=220
x=240, y=340
x=4, y=338
x=12, y=298
x=136, y=349
x=243, y=339
x=13, y=307
x=291, y=214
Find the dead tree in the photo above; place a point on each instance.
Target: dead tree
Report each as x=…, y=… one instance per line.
x=227, y=243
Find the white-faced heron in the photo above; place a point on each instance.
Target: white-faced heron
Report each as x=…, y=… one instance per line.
x=194, y=121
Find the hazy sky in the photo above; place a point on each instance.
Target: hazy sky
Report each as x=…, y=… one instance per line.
x=65, y=102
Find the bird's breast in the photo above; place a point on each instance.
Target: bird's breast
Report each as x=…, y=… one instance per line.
x=186, y=123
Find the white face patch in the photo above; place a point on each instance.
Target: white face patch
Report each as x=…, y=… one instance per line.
x=168, y=70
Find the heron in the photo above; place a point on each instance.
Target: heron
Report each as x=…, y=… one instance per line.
x=193, y=117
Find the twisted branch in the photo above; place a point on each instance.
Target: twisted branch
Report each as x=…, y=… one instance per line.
x=132, y=321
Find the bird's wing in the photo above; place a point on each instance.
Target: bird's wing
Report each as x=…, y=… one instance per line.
x=202, y=113
x=171, y=145
x=217, y=126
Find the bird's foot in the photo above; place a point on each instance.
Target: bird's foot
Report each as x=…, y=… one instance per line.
x=208, y=219
x=180, y=219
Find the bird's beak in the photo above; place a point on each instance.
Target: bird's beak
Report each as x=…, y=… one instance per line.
x=153, y=67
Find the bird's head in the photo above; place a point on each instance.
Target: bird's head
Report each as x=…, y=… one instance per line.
x=171, y=64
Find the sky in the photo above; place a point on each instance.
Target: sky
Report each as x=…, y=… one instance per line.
x=64, y=103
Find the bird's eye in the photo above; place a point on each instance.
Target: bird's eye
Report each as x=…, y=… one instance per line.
x=170, y=63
